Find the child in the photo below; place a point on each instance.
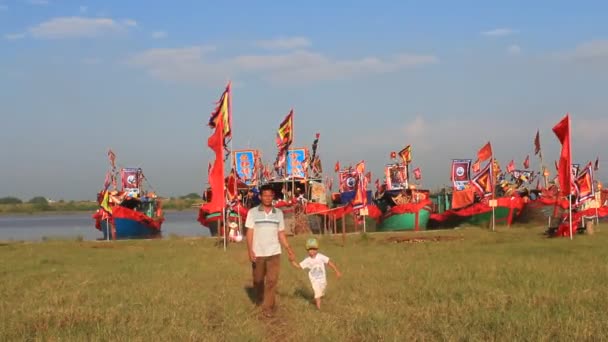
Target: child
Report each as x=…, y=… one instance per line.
x=315, y=262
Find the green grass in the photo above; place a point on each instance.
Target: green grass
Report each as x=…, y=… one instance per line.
x=513, y=284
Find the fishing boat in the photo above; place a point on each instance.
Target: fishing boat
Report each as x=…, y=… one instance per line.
x=403, y=207
x=404, y=210
x=132, y=211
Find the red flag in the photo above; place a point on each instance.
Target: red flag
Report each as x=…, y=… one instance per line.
x=537, y=143
x=393, y=155
x=112, y=158
x=337, y=167
x=511, y=166
x=231, y=184
x=417, y=173
x=562, y=132
x=476, y=166
x=223, y=112
x=596, y=167
x=527, y=162
x=485, y=152
x=216, y=176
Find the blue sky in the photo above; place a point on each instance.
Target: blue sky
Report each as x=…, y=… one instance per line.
x=141, y=77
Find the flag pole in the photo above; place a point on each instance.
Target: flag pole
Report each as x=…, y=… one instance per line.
x=570, y=171
x=493, y=192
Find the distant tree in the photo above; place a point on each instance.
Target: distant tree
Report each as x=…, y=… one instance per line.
x=192, y=195
x=10, y=200
x=38, y=200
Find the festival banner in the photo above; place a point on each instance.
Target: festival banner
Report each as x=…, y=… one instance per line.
x=483, y=181
x=396, y=176
x=131, y=179
x=461, y=173
x=348, y=180
x=296, y=157
x=584, y=184
x=245, y=165
x=406, y=154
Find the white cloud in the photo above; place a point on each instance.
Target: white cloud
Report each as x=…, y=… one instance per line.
x=83, y=9
x=284, y=43
x=159, y=34
x=38, y=2
x=77, y=27
x=196, y=64
x=14, y=36
x=514, y=50
x=595, y=50
x=499, y=32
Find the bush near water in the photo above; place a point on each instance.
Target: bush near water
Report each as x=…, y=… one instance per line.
x=40, y=204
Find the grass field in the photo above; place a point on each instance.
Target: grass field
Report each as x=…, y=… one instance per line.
x=513, y=284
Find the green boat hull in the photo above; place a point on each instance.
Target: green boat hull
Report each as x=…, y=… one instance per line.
x=399, y=222
x=501, y=217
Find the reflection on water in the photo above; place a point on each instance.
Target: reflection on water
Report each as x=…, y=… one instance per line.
x=37, y=227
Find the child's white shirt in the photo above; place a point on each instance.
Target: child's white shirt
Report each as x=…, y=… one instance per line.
x=316, y=265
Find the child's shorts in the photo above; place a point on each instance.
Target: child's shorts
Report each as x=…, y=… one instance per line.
x=319, y=289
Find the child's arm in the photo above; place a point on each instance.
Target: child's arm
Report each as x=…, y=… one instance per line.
x=335, y=268
x=296, y=265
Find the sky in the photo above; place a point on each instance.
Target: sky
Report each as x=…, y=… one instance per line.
x=142, y=77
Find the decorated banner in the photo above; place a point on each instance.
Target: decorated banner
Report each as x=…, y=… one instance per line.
x=584, y=184
x=523, y=175
x=348, y=180
x=296, y=158
x=318, y=193
x=574, y=170
x=131, y=179
x=483, y=181
x=396, y=176
x=245, y=165
x=461, y=173
x=360, y=199
x=406, y=154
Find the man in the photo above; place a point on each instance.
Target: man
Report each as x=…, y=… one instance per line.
x=265, y=235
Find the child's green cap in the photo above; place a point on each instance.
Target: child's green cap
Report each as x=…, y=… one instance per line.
x=312, y=243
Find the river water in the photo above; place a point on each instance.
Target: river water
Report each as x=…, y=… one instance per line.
x=74, y=225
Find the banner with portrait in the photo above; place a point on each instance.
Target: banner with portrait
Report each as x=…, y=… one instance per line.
x=245, y=165
x=461, y=173
x=396, y=176
x=130, y=179
x=296, y=159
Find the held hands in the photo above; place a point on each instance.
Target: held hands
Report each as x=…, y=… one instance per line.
x=291, y=255
x=338, y=274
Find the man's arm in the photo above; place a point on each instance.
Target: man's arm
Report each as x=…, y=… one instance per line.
x=250, y=244
x=285, y=244
x=335, y=268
